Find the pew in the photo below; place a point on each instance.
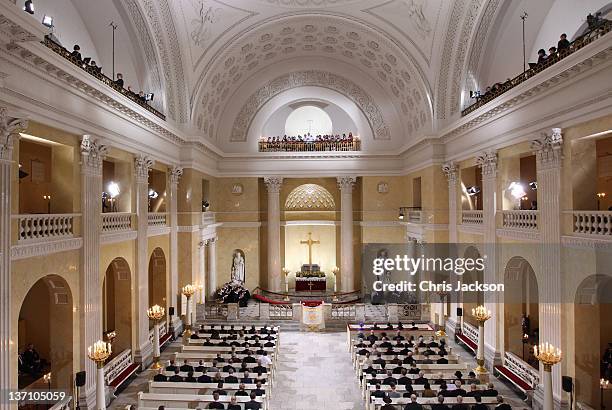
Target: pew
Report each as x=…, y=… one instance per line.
x=202, y=388
x=191, y=401
x=377, y=403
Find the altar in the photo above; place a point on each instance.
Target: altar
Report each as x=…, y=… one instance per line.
x=310, y=284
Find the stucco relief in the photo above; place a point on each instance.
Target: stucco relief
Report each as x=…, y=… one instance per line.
x=310, y=78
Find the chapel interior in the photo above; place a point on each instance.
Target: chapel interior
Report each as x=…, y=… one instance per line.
x=195, y=194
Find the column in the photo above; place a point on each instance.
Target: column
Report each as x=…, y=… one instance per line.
x=9, y=128
x=347, y=274
x=212, y=264
x=273, y=185
x=202, y=270
x=451, y=170
x=144, y=349
x=549, y=156
x=174, y=175
x=90, y=309
x=487, y=161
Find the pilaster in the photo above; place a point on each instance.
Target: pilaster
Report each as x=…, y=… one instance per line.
x=273, y=186
x=347, y=268
x=451, y=170
x=92, y=157
x=144, y=349
x=212, y=264
x=174, y=175
x=9, y=128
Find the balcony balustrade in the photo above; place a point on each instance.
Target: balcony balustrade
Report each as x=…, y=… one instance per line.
x=526, y=220
x=40, y=227
x=117, y=221
x=471, y=217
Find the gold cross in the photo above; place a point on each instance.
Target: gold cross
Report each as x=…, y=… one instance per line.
x=310, y=242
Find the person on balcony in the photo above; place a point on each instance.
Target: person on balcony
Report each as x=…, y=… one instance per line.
x=76, y=53
x=563, y=44
x=542, y=57
x=119, y=81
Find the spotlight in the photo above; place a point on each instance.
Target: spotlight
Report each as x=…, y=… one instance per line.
x=113, y=189
x=473, y=190
x=28, y=7
x=533, y=185
x=401, y=215
x=153, y=194
x=47, y=21
x=517, y=190
x=149, y=97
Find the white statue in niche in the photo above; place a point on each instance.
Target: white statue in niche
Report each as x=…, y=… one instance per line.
x=238, y=267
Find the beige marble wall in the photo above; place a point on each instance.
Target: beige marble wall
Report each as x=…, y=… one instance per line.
x=385, y=206
x=245, y=239
x=231, y=207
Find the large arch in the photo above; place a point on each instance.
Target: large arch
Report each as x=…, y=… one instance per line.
x=117, y=304
x=592, y=313
x=158, y=286
x=521, y=307
x=45, y=321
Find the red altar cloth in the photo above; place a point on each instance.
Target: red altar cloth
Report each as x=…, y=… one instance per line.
x=308, y=284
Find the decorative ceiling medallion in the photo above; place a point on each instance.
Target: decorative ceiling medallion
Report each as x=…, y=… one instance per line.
x=309, y=196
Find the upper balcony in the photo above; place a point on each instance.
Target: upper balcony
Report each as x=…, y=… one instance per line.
x=339, y=145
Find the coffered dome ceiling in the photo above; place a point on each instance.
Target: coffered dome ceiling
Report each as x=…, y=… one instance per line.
x=403, y=63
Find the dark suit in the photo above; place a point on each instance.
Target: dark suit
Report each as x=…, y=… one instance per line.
x=389, y=380
x=186, y=368
x=233, y=407
x=479, y=406
x=231, y=379
x=461, y=406
x=204, y=379
x=246, y=380
x=190, y=379
x=442, y=360
x=220, y=392
x=160, y=378
x=252, y=405
x=419, y=380
x=459, y=392
x=176, y=378
x=413, y=406
x=503, y=406
x=439, y=406
x=258, y=392
x=216, y=405
x=241, y=393
x=489, y=393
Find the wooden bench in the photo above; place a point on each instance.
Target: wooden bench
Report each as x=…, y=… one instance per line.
x=524, y=377
x=154, y=400
x=377, y=403
x=203, y=388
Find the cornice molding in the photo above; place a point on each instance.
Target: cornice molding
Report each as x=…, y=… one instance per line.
x=471, y=229
x=158, y=230
x=32, y=250
x=583, y=242
x=518, y=235
x=114, y=237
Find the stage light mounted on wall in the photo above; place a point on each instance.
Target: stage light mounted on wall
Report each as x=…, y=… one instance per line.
x=153, y=194
x=533, y=185
x=47, y=21
x=28, y=7
x=113, y=189
x=401, y=215
x=473, y=190
x=517, y=190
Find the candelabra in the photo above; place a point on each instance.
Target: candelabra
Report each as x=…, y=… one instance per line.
x=481, y=315
x=286, y=273
x=335, y=271
x=549, y=356
x=47, y=379
x=603, y=385
x=442, y=323
x=155, y=313
x=99, y=352
x=188, y=291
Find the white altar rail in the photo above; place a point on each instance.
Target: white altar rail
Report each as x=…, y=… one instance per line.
x=471, y=217
x=522, y=220
x=471, y=332
x=45, y=226
x=595, y=223
x=117, y=221
x=162, y=331
x=522, y=369
x=157, y=218
x=118, y=364
x=280, y=312
x=343, y=312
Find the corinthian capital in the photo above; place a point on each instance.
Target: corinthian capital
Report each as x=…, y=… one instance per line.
x=92, y=154
x=142, y=166
x=548, y=149
x=174, y=174
x=346, y=183
x=9, y=127
x=273, y=184
x=450, y=169
x=487, y=161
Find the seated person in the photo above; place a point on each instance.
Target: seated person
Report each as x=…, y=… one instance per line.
x=204, y=378
x=472, y=378
x=389, y=326
x=228, y=367
x=501, y=405
x=459, y=390
x=194, y=336
x=404, y=380
x=252, y=404
x=426, y=360
x=246, y=379
x=427, y=391
x=160, y=376
x=389, y=379
x=414, y=404
x=460, y=405
x=563, y=43
x=258, y=391
x=413, y=326
x=444, y=391
x=230, y=377
x=31, y=360
x=474, y=391
x=220, y=358
x=421, y=379
x=408, y=359
x=393, y=393
x=215, y=404
x=233, y=405
x=190, y=378
x=220, y=390
x=207, y=342
x=414, y=369
x=376, y=327
x=490, y=391
x=398, y=336
x=479, y=405
x=372, y=336
x=76, y=53
x=200, y=367
x=186, y=367
x=378, y=393
x=214, y=368
x=379, y=359
x=241, y=391
x=440, y=404
x=387, y=406
x=176, y=377
x=442, y=360
x=542, y=57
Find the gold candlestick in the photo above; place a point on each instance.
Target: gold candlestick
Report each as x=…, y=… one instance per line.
x=481, y=315
x=99, y=352
x=548, y=355
x=188, y=291
x=155, y=313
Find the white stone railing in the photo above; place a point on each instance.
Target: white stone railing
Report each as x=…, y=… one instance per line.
x=64, y=404
x=45, y=226
x=208, y=218
x=598, y=223
x=117, y=365
x=522, y=369
x=157, y=218
x=281, y=311
x=415, y=217
x=471, y=332
x=162, y=331
x=471, y=217
x=117, y=221
x=523, y=220
x=343, y=312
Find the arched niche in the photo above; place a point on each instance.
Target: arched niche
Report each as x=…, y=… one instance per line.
x=472, y=299
x=117, y=304
x=592, y=333
x=45, y=320
x=520, y=302
x=157, y=279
